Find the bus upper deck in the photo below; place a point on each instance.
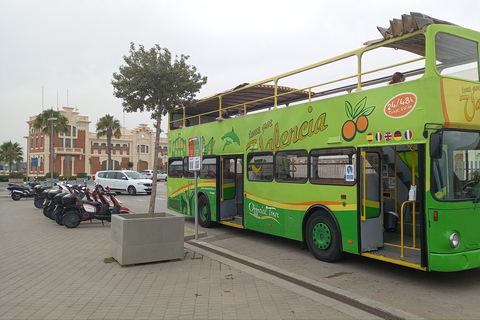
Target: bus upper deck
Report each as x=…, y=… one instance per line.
x=337, y=159
x=418, y=45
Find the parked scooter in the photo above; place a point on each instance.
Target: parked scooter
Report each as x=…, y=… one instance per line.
x=59, y=206
x=83, y=210
x=49, y=204
x=40, y=195
x=18, y=191
x=71, y=201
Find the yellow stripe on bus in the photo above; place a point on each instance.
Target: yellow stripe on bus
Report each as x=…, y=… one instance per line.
x=303, y=206
x=209, y=183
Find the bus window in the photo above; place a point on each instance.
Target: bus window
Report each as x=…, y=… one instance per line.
x=328, y=166
x=186, y=172
x=291, y=166
x=175, y=168
x=209, y=168
x=260, y=166
x=456, y=57
x=456, y=175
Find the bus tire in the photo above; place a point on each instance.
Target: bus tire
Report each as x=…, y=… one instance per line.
x=323, y=237
x=204, y=213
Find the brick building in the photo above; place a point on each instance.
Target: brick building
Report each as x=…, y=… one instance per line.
x=79, y=150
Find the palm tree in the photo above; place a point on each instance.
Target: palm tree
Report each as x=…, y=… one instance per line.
x=109, y=126
x=11, y=152
x=60, y=125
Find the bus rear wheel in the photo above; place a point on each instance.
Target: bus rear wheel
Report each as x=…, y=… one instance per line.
x=204, y=214
x=323, y=237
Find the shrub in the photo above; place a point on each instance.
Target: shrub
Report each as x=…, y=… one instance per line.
x=16, y=175
x=3, y=178
x=48, y=175
x=82, y=174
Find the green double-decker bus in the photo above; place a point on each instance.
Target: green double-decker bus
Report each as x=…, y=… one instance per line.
x=375, y=152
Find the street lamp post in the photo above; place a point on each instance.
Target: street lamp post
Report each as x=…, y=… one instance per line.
x=28, y=160
x=138, y=157
x=51, y=120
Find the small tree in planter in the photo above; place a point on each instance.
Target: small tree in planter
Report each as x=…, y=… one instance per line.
x=151, y=81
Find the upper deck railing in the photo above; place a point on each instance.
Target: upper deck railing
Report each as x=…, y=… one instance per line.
x=270, y=93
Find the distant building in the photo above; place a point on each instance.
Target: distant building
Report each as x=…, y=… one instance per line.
x=79, y=150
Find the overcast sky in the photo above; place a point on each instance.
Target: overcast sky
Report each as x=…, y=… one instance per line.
x=71, y=48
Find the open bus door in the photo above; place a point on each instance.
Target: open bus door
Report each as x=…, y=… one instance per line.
x=230, y=197
x=370, y=202
x=391, y=221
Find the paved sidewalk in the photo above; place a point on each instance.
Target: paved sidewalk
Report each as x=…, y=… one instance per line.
x=50, y=272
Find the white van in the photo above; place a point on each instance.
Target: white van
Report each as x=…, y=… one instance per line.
x=123, y=181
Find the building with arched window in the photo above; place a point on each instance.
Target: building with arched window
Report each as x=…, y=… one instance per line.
x=79, y=150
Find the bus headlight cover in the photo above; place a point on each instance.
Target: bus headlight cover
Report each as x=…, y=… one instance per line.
x=454, y=240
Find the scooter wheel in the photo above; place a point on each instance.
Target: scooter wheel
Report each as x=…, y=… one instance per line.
x=59, y=218
x=71, y=219
x=45, y=212
x=38, y=203
x=53, y=214
x=16, y=196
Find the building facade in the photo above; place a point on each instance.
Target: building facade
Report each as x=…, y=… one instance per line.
x=79, y=150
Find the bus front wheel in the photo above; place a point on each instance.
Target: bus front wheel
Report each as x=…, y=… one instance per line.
x=323, y=237
x=205, y=217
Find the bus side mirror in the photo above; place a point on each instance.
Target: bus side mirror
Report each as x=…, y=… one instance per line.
x=436, y=145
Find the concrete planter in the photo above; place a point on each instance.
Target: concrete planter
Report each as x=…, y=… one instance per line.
x=137, y=238
x=15, y=180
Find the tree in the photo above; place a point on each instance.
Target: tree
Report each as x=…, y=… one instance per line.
x=10, y=153
x=152, y=81
x=109, y=126
x=60, y=125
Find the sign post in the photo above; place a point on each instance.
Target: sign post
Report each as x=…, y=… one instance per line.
x=195, y=148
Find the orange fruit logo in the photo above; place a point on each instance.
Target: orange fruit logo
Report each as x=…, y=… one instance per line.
x=357, y=119
x=401, y=105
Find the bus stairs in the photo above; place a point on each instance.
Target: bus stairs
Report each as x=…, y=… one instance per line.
x=400, y=251
x=409, y=253
x=235, y=221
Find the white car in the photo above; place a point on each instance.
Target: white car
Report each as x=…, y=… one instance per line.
x=123, y=181
x=160, y=175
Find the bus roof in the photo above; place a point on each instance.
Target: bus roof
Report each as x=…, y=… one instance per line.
x=257, y=96
x=408, y=24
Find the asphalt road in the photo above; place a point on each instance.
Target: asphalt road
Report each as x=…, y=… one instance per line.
x=430, y=295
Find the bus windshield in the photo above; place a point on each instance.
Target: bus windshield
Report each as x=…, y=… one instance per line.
x=456, y=175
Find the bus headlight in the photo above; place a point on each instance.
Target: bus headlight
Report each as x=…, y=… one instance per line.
x=454, y=240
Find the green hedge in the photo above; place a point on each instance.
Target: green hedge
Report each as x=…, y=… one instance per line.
x=16, y=175
x=55, y=175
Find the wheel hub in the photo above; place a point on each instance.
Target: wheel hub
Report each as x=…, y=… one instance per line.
x=321, y=236
x=203, y=212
